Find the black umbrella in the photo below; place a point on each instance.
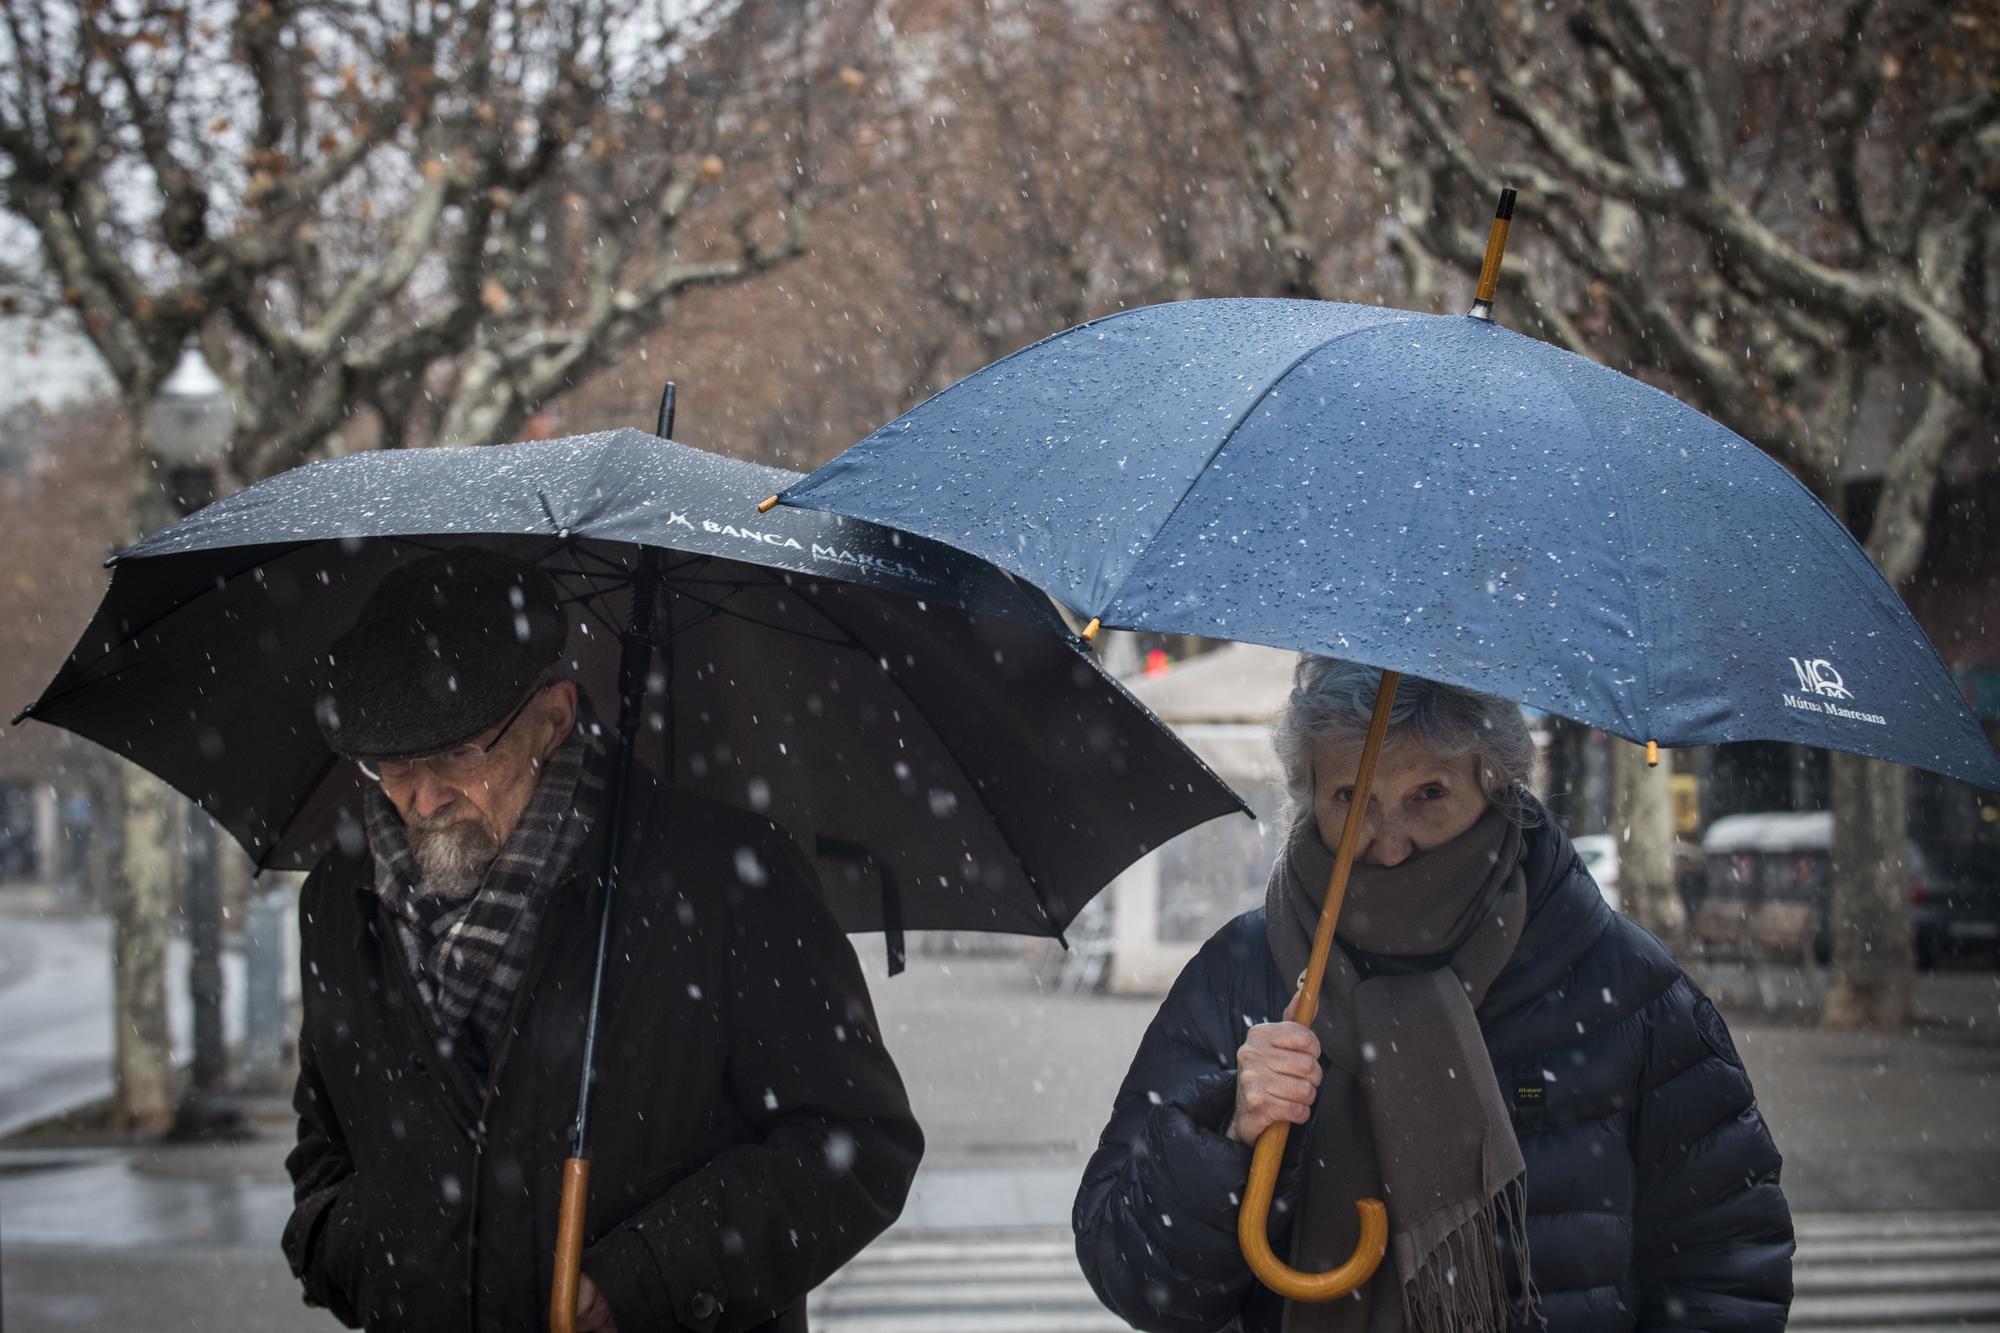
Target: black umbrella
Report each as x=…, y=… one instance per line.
x=919, y=723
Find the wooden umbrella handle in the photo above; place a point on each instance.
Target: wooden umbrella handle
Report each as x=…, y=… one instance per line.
x=1253, y=1218
x=1253, y=1233
x=569, y=1246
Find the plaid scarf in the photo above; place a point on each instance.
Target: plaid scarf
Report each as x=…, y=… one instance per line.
x=468, y=955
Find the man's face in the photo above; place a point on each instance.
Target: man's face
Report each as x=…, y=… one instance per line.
x=458, y=814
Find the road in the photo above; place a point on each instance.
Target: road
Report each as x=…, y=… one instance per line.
x=1891, y=1162
x=55, y=1013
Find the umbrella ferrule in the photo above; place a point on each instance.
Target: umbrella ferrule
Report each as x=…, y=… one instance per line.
x=1496, y=246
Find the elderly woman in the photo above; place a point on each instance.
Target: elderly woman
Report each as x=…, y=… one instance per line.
x=1556, y=1118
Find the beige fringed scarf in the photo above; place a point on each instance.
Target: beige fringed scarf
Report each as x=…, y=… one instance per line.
x=1409, y=1111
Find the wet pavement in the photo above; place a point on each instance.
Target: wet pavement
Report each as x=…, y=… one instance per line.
x=1011, y=1081
x=55, y=1012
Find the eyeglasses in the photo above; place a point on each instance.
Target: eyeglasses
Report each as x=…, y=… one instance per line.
x=456, y=765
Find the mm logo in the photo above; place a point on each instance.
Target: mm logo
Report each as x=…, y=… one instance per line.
x=1817, y=676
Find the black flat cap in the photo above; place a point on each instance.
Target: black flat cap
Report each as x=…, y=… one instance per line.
x=445, y=647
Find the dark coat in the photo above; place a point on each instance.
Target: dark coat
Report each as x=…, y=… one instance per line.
x=1652, y=1185
x=748, y=1132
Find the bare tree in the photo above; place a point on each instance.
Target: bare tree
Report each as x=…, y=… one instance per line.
x=1643, y=823
x=437, y=215
x=418, y=221
x=1787, y=217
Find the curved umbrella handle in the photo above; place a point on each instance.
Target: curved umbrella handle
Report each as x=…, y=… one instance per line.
x=1253, y=1218
x=1252, y=1233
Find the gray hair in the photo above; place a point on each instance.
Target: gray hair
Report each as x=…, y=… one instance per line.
x=1332, y=700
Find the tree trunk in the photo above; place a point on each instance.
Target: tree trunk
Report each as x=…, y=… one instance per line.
x=1871, y=984
x=1642, y=820
x=143, y=1066
x=1873, y=964
x=144, y=896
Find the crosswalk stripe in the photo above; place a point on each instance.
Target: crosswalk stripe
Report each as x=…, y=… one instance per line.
x=1905, y=1248
x=1907, y=1272
x=1892, y=1312
x=1820, y=1226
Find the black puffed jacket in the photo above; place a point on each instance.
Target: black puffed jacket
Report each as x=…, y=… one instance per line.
x=1653, y=1198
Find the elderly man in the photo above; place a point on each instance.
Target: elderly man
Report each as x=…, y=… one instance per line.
x=749, y=1133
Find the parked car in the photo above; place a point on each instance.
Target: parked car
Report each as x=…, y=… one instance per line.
x=1758, y=860
x=1599, y=854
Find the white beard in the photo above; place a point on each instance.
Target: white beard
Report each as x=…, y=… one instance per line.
x=451, y=854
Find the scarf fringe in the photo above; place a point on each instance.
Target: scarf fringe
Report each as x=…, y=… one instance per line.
x=1460, y=1283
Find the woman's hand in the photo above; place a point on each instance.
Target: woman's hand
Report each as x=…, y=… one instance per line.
x=1277, y=1076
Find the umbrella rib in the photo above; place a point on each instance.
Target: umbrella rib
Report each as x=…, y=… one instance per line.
x=1034, y=880
x=270, y=853
x=1230, y=434
x=713, y=609
x=1629, y=569
x=84, y=678
x=278, y=551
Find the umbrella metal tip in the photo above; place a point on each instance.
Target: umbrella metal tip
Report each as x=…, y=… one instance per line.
x=766, y=505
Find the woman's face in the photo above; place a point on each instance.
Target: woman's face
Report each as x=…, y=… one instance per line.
x=1417, y=800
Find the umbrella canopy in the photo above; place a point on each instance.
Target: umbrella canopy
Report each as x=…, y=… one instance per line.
x=923, y=726
x=1431, y=494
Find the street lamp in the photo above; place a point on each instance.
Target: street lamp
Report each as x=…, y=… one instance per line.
x=188, y=428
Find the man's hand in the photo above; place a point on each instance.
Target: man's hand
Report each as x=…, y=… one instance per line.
x=1277, y=1076
x=592, y=1314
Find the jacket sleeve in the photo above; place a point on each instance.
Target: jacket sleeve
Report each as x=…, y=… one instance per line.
x=833, y=1144
x=1713, y=1235
x=1155, y=1216
x=319, y=1237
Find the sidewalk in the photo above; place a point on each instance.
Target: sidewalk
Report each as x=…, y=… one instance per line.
x=1012, y=1083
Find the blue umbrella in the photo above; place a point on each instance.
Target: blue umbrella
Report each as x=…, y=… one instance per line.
x=1427, y=494
x=1432, y=494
